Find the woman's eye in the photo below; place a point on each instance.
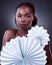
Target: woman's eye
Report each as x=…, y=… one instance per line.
x=19, y=16
x=27, y=16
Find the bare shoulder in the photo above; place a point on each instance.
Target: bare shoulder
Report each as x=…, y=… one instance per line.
x=8, y=35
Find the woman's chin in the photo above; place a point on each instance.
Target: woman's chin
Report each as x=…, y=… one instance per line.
x=25, y=28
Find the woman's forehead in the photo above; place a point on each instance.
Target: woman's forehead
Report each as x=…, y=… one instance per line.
x=23, y=10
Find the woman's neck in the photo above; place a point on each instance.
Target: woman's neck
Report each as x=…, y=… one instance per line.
x=22, y=32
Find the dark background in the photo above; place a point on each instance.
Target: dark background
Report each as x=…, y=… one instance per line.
x=7, y=15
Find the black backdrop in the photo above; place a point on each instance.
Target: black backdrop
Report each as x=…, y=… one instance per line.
x=7, y=15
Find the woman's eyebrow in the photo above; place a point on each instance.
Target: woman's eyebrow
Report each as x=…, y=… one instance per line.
x=28, y=14
x=24, y=14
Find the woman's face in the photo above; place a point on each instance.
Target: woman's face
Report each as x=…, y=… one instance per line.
x=24, y=17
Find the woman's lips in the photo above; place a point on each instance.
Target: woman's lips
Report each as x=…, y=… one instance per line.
x=23, y=25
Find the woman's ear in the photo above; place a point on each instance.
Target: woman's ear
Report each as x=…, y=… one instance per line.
x=34, y=22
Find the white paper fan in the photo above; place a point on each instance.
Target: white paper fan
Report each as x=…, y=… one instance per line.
x=40, y=33
x=23, y=51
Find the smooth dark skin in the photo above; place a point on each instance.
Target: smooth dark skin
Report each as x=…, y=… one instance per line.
x=24, y=18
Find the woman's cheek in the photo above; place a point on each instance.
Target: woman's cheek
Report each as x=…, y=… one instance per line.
x=29, y=21
x=18, y=20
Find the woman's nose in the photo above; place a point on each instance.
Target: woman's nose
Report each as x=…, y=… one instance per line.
x=23, y=19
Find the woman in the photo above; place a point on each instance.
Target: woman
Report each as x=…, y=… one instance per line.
x=25, y=19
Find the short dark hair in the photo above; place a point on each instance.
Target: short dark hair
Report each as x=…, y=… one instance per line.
x=32, y=7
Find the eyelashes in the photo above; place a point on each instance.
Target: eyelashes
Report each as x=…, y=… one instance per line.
x=26, y=16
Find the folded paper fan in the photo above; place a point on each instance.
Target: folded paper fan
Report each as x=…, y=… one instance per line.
x=40, y=33
x=23, y=51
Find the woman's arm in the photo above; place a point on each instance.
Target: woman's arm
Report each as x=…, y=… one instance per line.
x=7, y=36
x=48, y=53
